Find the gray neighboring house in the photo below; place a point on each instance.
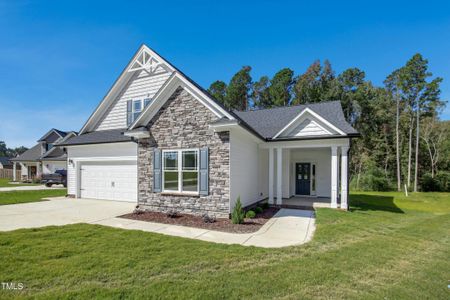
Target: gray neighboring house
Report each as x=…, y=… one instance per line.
x=44, y=158
x=161, y=141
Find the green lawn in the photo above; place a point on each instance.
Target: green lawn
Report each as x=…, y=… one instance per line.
x=387, y=247
x=5, y=182
x=16, y=197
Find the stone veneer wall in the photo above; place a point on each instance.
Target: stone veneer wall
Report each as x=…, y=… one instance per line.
x=182, y=123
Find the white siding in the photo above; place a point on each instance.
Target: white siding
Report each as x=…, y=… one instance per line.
x=141, y=86
x=93, y=153
x=49, y=167
x=308, y=128
x=322, y=158
x=244, y=167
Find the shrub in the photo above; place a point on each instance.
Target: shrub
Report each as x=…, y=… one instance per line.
x=208, y=219
x=250, y=214
x=440, y=183
x=265, y=205
x=238, y=214
x=258, y=210
x=172, y=214
x=372, y=179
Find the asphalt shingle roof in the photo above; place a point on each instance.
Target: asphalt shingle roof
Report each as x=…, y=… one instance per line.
x=268, y=122
x=4, y=160
x=32, y=154
x=98, y=137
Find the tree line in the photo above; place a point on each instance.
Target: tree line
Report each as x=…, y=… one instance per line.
x=11, y=152
x=403, y=141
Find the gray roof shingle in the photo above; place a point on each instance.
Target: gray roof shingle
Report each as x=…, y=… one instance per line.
x=98, y=137
x=268, y=122
x=32, y=154
x=5, y=161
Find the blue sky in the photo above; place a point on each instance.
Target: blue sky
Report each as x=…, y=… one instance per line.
x=58, y=59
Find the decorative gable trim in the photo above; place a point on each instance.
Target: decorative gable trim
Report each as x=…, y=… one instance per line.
x=144, y=59
x=314, y=115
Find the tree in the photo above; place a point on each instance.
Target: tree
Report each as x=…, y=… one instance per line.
x=260, y=93
x=11, y=152
x=238, y=90
x=392, y=84
x=434, y=133
x=315, y=85
x=218, y=90
x=348, y=89
x=421, y=96
x=3, y=149
x=280, y=87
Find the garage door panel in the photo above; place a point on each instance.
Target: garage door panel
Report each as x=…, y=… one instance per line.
x=109, y=180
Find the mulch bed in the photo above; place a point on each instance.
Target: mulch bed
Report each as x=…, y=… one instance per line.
x=221, y=224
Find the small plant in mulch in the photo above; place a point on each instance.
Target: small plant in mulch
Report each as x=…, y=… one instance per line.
x=265, y=205
x=208, y=219
x=258, y=210
x=250, y=214
x=137, y=211
x=238, y=214
x=172, y=214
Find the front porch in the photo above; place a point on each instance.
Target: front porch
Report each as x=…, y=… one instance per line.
x=307, y=173
x=306, y=202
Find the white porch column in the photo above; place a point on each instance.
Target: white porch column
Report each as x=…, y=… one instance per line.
x=38, y=169
x=279, y=175
x=344, y=177
x=14, y=171
x=334, y=167
x=271, y=176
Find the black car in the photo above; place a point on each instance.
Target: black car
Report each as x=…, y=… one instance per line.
x=59, y=177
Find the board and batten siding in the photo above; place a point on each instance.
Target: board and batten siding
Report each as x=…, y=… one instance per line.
x=244, y=168
x=140, y=86
x=98, y=152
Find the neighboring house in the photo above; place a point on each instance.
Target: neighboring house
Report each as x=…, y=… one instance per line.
x=5, y=162
x=160, y=140
x=45, y=157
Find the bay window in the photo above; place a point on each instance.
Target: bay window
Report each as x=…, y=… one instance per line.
x=180, y=171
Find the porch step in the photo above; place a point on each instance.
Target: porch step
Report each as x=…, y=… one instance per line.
x=295, y=207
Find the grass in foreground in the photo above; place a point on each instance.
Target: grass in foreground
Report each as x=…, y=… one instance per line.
x=16, y=197
x=5, y=182
x=386, y=247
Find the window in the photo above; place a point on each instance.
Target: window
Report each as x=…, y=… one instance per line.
x=137, y=108
x=180, y=171
x=48, y=146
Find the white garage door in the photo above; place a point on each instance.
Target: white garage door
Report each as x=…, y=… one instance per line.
x=109, y=181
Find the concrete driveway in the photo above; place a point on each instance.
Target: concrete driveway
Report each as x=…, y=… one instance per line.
x=60, y=211
x=288, y=227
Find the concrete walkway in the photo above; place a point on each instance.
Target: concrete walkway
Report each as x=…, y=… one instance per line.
x=30, y=188
x=287, y=228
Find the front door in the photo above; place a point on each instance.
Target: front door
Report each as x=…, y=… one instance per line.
x=303, y=178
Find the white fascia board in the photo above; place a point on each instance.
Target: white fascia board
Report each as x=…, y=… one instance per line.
x=117, y=87
x=315, y=115
x=316, y=143
x=167, y=90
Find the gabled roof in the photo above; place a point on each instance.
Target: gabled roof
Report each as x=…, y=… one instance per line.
x=269, y=122
x=32, y=154
x=57, y=131
x=56, y=152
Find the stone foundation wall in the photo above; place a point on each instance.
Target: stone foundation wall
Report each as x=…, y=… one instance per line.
x=182, y=123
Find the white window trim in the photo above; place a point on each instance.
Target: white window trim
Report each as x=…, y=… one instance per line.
x=133, y=111
x=180, y=171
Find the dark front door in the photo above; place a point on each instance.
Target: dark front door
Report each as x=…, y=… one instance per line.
x=302, y=178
